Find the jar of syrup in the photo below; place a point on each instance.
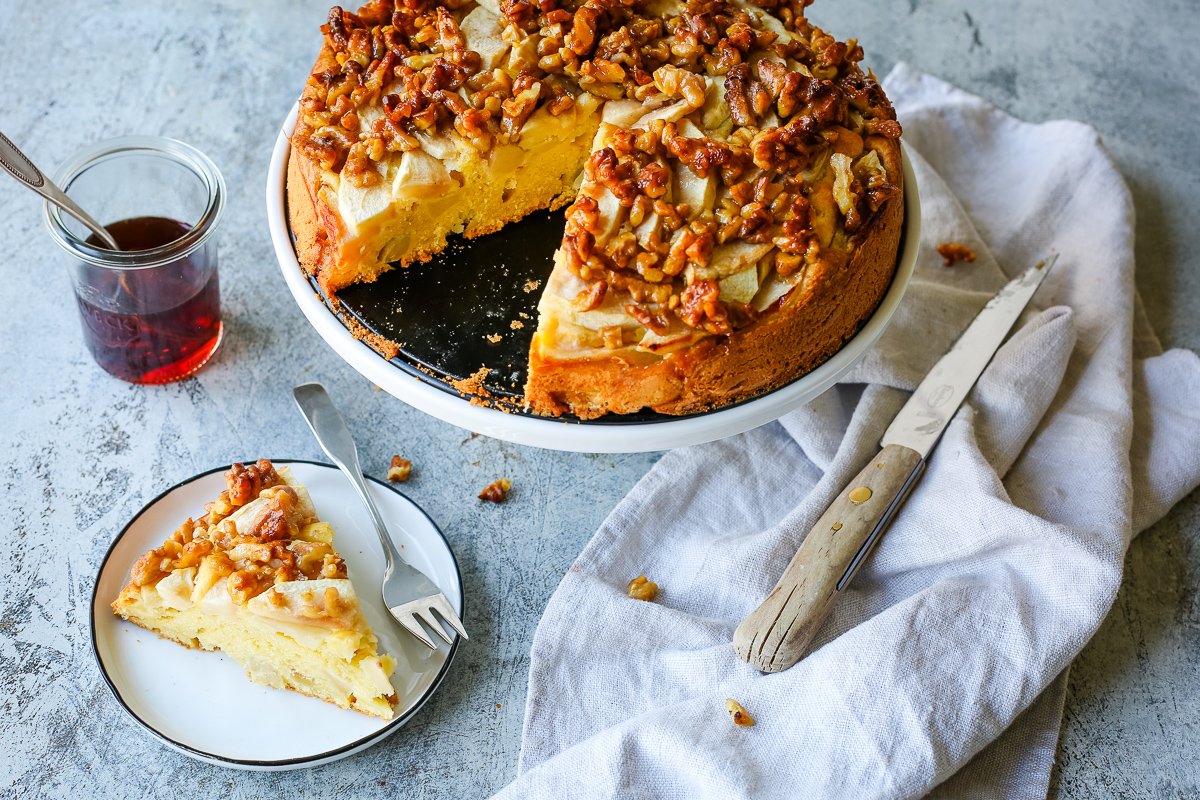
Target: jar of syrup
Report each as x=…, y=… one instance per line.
x=151, y=312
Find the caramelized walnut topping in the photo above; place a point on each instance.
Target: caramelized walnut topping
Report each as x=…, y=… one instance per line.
x=496, y=491
x=700, y=307
x=148, y=569
x=246, y=584
x=650, y=319
x=245, y=483
x=333, y=567
x=273, y=526
x=267, y=552
x=762, y=117
x=591, y=297
x=737, y=95
x=193, y=552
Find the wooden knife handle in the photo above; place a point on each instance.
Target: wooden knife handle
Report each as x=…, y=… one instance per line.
x=776, y=634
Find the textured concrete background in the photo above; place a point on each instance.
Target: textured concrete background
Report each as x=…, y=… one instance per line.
x=82, y=451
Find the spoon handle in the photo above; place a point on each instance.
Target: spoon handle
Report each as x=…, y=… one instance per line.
x=18, y=165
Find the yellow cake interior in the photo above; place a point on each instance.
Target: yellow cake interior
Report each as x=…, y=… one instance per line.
x=260, y=581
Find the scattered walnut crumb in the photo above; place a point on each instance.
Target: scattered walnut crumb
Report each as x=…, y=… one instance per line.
x=739, y=714
x=523, y=315
x=493, y=337
x=496, y=491
x=498, y=705
x=642, y=589
x=516, y=325
x=532, y=286
x=399, y=470
x=953, y=252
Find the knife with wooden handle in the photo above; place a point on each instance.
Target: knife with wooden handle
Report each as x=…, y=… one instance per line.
x=777, y=633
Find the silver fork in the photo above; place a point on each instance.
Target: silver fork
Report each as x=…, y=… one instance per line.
x=407, y=592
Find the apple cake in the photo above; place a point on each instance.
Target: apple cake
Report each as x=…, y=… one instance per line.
x=258, y=578
x=733, y=178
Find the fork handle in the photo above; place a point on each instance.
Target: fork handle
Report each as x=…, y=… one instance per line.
x=334, y=437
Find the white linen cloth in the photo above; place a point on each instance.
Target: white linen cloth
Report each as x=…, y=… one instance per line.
x=942, y=669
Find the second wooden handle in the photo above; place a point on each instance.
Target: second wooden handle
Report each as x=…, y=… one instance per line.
x=776, y=634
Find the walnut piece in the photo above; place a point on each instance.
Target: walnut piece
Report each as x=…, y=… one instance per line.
x=399, y=470
x=641, y=589
x=245, y=483
x=740, y=717
x=496, y=491
x=954, y=252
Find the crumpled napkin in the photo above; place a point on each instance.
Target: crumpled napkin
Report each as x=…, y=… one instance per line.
x=942, y=669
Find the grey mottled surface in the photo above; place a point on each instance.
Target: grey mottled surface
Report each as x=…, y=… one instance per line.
x=82, y=451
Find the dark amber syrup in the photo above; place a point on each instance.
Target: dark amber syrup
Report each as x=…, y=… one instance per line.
x=153, y=325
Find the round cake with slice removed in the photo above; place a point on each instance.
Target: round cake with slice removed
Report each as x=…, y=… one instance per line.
x=734, y=181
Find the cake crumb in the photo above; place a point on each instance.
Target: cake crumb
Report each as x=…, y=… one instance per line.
x=953, y=252
x=473, y=384
x=516, y=325
x=532, y=286
x=399, y=470
x=493, y=337
x=523, y=315
x=496, y=491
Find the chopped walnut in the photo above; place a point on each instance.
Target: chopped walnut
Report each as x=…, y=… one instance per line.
x=399, y=469
x=496, y=491
x=739, y=714
x=953, y=252
x=245, y=483
x=591, y=297
x=641, y=589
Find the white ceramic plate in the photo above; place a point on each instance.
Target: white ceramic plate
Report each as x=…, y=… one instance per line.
x=202, y=704
x=558, y=434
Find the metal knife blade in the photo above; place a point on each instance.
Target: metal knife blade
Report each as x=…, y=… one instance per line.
x=920, y=423
x=776, y=635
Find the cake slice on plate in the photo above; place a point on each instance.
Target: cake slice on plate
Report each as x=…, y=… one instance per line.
x=258, y=577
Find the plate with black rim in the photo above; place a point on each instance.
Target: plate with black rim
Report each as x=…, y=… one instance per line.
x=187, y=698
x=475, y=305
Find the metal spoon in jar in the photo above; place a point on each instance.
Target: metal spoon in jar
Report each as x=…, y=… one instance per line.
x=18, y=165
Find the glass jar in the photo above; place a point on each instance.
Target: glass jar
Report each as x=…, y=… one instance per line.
x=150, y=312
